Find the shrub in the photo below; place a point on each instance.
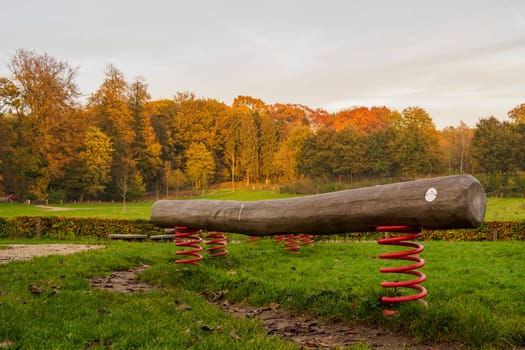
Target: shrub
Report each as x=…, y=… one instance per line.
x=68, y=228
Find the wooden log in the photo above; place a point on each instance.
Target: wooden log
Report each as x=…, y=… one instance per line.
x=8, y=199
x=438, y=203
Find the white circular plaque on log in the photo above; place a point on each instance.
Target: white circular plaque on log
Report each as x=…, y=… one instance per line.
x=431, y=194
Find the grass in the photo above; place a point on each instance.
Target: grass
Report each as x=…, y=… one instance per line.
x=505, y=209
x=476, y=295
x=132, y=210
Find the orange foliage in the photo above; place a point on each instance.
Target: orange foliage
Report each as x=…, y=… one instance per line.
x=362, y=118
x=297, y=114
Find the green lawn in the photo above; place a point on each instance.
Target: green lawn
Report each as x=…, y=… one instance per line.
x=476, y=296
x=133, y=210
x=136, y=210
x=505, y=209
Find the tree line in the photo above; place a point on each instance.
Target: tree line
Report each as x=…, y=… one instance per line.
x=121, y=144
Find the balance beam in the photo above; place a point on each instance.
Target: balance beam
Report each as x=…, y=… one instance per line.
x=448, y=202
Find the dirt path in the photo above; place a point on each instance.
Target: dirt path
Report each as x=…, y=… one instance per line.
x=11, y=252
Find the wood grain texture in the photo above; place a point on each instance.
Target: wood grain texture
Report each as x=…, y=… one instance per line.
x=438, y=203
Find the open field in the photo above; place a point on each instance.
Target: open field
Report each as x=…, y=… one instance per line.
x=505, y=209
x=498, y=209
x=476, y=296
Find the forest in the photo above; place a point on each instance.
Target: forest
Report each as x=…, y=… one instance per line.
x=120, y=144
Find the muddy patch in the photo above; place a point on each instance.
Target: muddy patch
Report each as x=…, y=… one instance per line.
x=312, y=332
x=122, y=281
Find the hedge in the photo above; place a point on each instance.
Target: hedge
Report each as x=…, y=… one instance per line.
x=488, y=231
x=69, y=228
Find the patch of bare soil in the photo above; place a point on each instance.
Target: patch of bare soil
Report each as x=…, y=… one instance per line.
x=312, y=332
x=122, y=281
x=48, y=208
x=309, y=331
x=13, y=252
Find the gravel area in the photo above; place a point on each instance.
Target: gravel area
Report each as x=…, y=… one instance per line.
x=11, y=252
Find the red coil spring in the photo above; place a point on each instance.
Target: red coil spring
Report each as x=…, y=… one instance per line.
x=187, y=237
x=413, y=232
x=278, y=238
x=292, y=243
x=253, y=239
x=306, y=239
x=219, y=244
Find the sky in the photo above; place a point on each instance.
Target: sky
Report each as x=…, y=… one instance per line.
x=460, y=60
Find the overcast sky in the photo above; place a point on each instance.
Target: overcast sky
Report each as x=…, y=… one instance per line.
x=457, y=59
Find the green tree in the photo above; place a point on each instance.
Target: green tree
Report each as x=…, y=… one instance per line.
x=350, y=153
x=318, y=156
x=495, y=149
x=417, y=150
x=200, y=165
x=96, y=157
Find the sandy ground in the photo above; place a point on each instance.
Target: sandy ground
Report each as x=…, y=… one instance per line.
x=11, y=252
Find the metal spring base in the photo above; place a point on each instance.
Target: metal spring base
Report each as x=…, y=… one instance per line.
x=188, y=238
x=413, y=232
x=218, y=243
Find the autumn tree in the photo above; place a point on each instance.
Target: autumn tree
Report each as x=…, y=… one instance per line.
x=248, y=147
x=109, y=109
x=231, y=134
x=200, y=165
x=455, y=144
x=164, y=111
x=146, y=148
x=288, y=157
x=268, y=146
x=255, y=105
x=95, y=157
x=517, y=114
x=45, y=98
x=363, y=119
